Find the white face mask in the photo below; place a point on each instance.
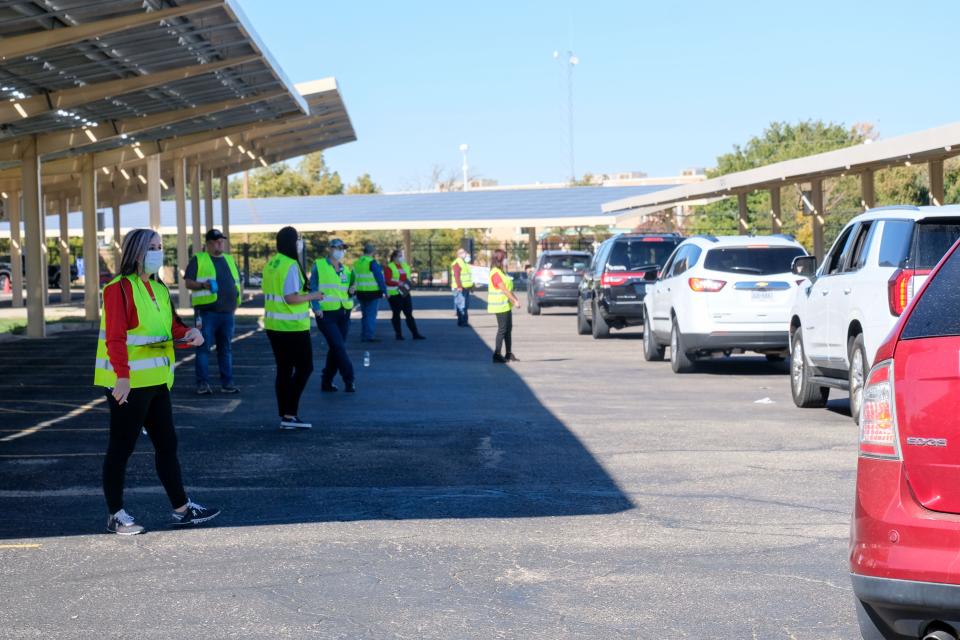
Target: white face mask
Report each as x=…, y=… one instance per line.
x=152, y=261
x=399, y=258
x=338, y=254
x=466, y=259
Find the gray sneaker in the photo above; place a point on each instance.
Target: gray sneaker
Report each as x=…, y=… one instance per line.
x=195, y=514
x=229, y=388
x=203, y=389
x=122, y=524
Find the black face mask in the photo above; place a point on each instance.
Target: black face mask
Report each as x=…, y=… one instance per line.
x=287, y=242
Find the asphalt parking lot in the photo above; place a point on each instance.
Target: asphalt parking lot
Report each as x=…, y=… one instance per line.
x=580, y=493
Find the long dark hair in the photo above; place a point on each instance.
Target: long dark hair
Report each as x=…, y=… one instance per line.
x=394, y=254
x=287, y=245
x=498, y=259
x=135, y=246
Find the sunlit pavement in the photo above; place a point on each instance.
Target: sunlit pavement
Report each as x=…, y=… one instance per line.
x=578, y=493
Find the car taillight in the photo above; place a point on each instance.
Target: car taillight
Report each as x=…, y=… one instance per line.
x=544, y=274
x=705, y=284
x=901, y=287
x=613, y=280
x=878, y=415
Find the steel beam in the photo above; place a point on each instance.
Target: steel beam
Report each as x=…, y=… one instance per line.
x=33, y=230
x=195, y=206
x=776, y=211
x=180, y=186
x=867, y=197
x=63, y=210
x=91, y=254
x=935, y=169
x=816, y=198
x=16, y=250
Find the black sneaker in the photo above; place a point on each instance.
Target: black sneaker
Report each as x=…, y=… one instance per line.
x=203, y=389
x=498, y=359
x=419, y=337
x=294, y=423
x=351, y=388
x=229, y=388
x=195, y=514
x=122, y=524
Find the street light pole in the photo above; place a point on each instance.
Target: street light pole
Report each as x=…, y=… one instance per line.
x=466, y=168
x=571, y=62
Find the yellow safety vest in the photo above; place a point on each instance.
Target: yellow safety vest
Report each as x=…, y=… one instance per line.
x=334, y=286
x=277, y=314
x=402, y=268
x=466, y=276
x=366, y=281
x=206, y=271
x=497, y=300
x=149, y=344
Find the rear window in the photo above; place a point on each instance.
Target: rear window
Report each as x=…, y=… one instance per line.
x=633, y=255
x=932, y=241
x=938, y=312
x=753, y=260
x=575, y=262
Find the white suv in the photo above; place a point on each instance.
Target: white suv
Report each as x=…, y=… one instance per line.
x=727, y=294
x=843, y=314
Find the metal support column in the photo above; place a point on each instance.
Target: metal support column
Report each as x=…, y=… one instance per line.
x=867, y=198
x=33, y=230
x=117, y=238
x=225, y=206
x=532, y=241
x=16, y=253
x=153, y=190
x=776, y=211
x=935, y=168
x=743, y=214
x=195, y=206
x=407, y=245
x=64, y=251
x=179, y=183
x=816, y=199
x=91, y=256
x=44, y=250
x=208, y=199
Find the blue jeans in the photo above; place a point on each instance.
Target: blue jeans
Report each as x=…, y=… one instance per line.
x=217, y=329
x=463, y=315
x=334, y=326
x=368, y=326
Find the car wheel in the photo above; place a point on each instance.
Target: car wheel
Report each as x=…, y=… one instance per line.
x=680, y=360
x=805, y=394
x=533, y=307
x=869, y=629
x=598, y=325
x=583, y=325
x=652, y=351
x=857, y=376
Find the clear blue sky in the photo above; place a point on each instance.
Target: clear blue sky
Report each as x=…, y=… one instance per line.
x=661, y=86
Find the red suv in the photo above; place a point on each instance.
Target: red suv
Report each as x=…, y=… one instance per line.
x=905, y=536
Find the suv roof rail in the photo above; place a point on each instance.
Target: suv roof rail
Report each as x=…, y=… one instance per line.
x=893, y=207
x=785, y=236
x=707, y=237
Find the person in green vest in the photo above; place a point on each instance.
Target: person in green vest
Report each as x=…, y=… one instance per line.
x=397, y=275
x=215, y=293
x=371, y=288
x=461, y=281
x=500, y=302
x=332, y=278
x=286, y=319
x=134, y=362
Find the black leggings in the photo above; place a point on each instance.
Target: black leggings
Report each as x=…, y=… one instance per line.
x=293, y=352
x=147, y=407
x=504, y=331
x=401, y=303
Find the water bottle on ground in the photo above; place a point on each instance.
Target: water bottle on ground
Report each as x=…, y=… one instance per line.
x=366, y=358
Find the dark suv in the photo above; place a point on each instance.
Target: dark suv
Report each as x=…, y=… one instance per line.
x=556, y=280
x=613, y=288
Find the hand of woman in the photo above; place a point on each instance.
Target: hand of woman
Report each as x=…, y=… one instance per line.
x=194, y=337
x=121, y=390
x=316, y=295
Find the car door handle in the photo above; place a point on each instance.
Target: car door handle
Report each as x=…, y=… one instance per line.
x=846, y=292
x=823, y=293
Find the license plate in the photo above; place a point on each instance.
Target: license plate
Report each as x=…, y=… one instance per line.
x=761, y=295
x=568, y=279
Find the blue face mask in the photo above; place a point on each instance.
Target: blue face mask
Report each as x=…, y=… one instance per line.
x=338, y=255
x=152, y=261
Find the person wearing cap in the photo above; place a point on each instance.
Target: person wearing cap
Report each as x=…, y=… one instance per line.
x=371, y=287
x=334, y=280
x=215, y=293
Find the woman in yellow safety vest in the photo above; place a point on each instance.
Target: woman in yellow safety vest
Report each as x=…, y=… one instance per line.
x=134, y=362
x=500, y=302
x=286, y=319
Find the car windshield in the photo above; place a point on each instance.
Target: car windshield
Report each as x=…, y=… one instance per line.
x=633, y=255
x=571, y=261
x=759, y=261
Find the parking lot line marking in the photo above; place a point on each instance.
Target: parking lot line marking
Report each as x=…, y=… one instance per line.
x=20, y=546
x=40, y=426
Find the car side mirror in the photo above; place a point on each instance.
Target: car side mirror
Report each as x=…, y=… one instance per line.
x=805, y=266
x=652, y=276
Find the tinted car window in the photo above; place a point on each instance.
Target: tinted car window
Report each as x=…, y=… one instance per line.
x=632, y=255
x=931, y=241
x=861, y=247
x=938, y=312
x=575, y=262
x=759, y=261
x=600, y=260
x=839, y=251
x=895, y=244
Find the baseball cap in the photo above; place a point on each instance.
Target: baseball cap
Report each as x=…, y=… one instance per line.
x=214, y=234
x=337, y=243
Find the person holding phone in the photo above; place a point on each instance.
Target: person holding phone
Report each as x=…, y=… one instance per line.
x=134, y=362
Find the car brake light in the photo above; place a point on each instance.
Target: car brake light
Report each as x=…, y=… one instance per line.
x=878, y=415
x=707, y=285
x=544, y=274
x=900, y=289
x=613, y=279
x=652, y=240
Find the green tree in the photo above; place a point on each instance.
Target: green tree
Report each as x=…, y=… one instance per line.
x=364, y=184
x=277, y=180
x=321, y=181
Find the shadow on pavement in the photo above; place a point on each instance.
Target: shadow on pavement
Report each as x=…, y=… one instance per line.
x=435, y=431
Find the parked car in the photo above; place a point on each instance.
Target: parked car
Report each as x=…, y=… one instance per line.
x=53, y=272
x=722, y=295
x=906, y=522
x=556, y=280
x=855, y=297
x=613, y=287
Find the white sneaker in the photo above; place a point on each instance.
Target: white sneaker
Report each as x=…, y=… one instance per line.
x=294, y=423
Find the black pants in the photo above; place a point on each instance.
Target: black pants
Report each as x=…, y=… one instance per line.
x=293, y=352
x=504, y=331
x=334, y=326
x=150, y=408
x=402, y=304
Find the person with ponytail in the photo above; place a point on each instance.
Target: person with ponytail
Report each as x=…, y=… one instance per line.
x=500, y=301
x=135, y=359
x=286, y=319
